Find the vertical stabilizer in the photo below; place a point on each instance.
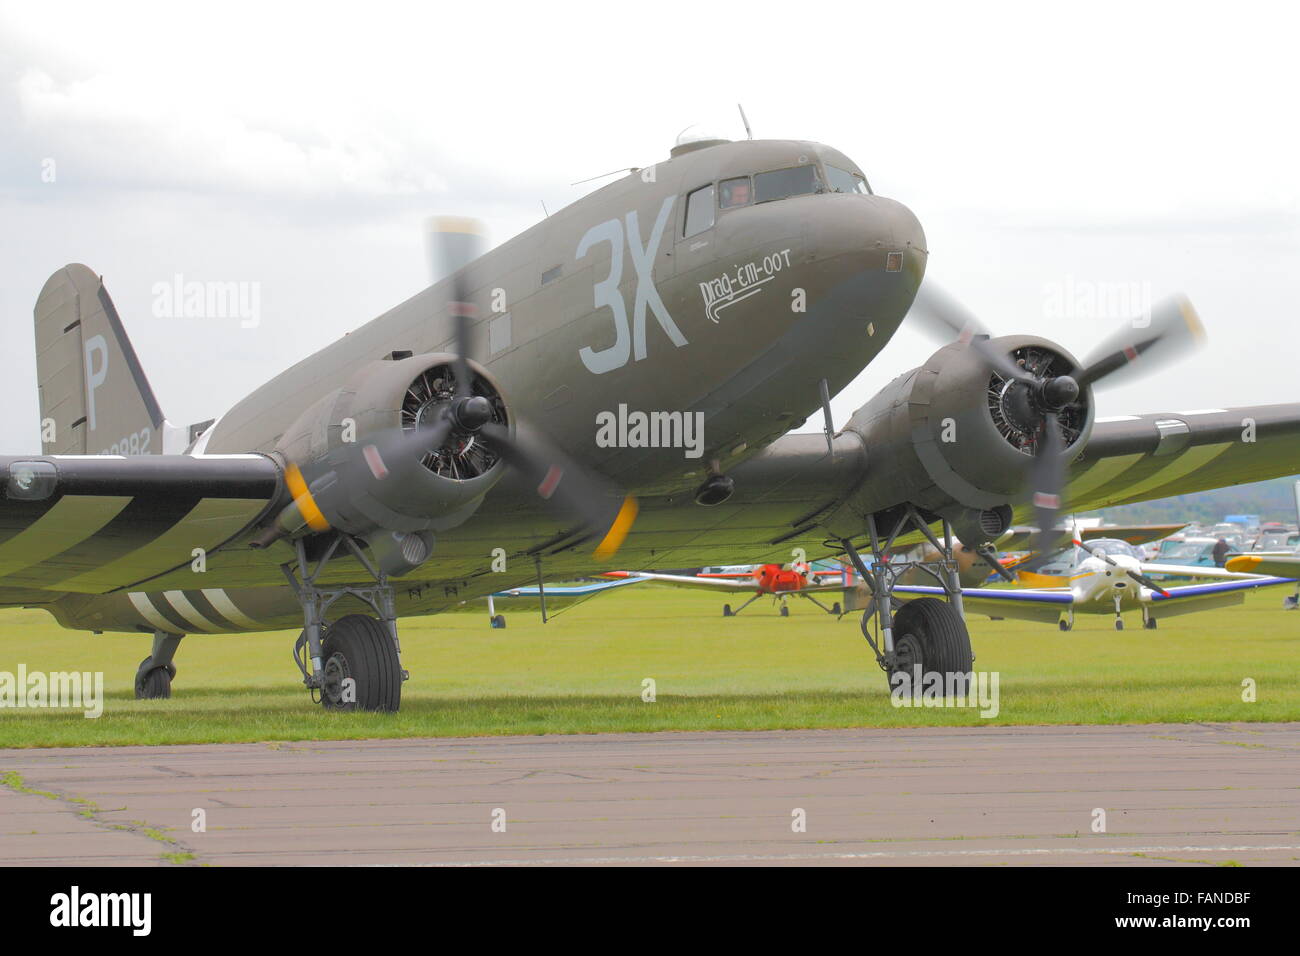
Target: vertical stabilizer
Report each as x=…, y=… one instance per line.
x=94, y=397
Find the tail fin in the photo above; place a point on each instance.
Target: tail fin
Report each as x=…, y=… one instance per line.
x=94, y=396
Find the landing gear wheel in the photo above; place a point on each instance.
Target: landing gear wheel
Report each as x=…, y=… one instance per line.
x=155, y=685
x=835, y=609
x=785, y=611
x=153, y=682
x=1064, y=625
x=1119, y=625
x=499, y=620
x=929, y=633
x=359, y=649
x=726, y=610
x=1150, y=624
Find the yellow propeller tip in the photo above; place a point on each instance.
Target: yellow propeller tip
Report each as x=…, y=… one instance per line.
x=302, y=497
x=618, y=531
x=462, y=224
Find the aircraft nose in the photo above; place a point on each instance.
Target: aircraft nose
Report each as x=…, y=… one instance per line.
x=904, y=226
x=875, y=233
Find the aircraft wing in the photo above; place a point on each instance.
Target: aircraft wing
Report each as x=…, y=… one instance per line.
x=781, y=495
x=1027, y=604
x=1202, y=597
x=99, y=523
x=557, y=595
x=687, y=580
x=1279, y=565
x=1145, y=457
x=1201, y=571
x=1133, y=533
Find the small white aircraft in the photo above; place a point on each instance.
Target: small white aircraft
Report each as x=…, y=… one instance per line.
x=1105, y=576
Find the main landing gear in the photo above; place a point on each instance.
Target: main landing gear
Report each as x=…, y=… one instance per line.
x=153, y=679
x=922, y=636
x=355, y=662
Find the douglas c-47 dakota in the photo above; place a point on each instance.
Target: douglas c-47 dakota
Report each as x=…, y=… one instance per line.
x=448, y=449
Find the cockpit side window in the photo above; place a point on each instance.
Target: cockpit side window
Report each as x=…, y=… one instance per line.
x=735, y=192
x=843, y=181
x=783, y=183
x=699, y=211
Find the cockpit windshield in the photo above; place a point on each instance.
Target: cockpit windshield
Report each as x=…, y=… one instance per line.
x=1109, y=546
x=783, y=183
x=735, y=192
x=843, y=181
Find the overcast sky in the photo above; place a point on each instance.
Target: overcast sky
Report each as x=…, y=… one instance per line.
x=1092, y=147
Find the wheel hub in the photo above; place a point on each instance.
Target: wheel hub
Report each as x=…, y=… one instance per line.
x=335, y=672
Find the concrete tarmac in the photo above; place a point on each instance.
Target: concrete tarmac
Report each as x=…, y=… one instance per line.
x=1185, y=794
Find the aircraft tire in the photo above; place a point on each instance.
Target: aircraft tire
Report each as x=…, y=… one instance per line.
x=836, y=610
x=1119, y=625
x=1151, y=624
x=359, y=647
x=1064, y=625
x=933, y=631
x=499, y=621
x=726, y=610
x=154, y=685
x=785, y=611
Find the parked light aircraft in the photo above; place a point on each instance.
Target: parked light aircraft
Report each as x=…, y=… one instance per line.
x=1107, y=576
x=781, y=582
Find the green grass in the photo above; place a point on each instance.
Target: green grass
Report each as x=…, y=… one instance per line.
x=582, y=673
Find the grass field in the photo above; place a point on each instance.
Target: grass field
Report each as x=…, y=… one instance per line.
x=583, y=673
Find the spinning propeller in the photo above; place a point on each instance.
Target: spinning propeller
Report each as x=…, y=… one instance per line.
x=454, y=424
x=1042, y=398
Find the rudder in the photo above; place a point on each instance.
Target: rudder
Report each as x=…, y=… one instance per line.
x=94, y=397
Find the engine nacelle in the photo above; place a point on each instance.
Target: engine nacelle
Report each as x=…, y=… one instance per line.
x=957, y=440
x=359, y=455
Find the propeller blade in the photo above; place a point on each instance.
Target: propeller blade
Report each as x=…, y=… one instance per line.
x=943, y=317
x=453, y=244
x=1046, y=482
x=988, y=555
x=574, y=490
x=383, y=451
x=1141, y=346
x=1142, y=579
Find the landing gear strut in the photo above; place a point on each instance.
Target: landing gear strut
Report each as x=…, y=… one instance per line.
x=355, y=662
x=153, y=679
x=833, y=610
x=924, y=635
x=728, y=612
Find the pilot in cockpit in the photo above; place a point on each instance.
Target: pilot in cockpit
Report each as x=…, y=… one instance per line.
x=735, y=192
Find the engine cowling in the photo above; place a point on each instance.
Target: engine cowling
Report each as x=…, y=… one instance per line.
x=957, y=440
x=359, y=455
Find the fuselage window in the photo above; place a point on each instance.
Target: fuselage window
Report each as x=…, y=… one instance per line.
x=699, y=211
x=735, y=192
x=551, y=274
x=782, y=183
x=843, y=181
